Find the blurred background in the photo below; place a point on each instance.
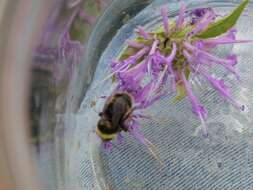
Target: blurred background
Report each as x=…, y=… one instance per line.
x=41, y=44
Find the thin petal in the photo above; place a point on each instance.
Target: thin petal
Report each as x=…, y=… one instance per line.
x=221, y=88
x=207, y=57
x=197, y=109
x=180, y=19
x=116, y=65
x=120, y=138
x=169, y=61
x=135, y=44
x=203, y=23
x=140, y=30
x=153, y=100
x=164, y=14
x=228, y=38
x=153, y=47
x=107, y=146
x=133, y=129
x=197, y=14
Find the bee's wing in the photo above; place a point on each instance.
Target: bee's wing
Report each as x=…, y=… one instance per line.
x=119, y=111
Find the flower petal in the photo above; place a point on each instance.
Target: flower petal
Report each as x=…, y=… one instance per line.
x=228, y=63
x=197, y=109
x=197, y=14
x=169, y=61
x=228, y=38
x=116, y=65
x=221, y=88
x=164, y=14
x=120, y=138
x=203, y=23
x=180, y=19
x=133, y=130
x=135, y=44
x=107, y=146
x=140, y=30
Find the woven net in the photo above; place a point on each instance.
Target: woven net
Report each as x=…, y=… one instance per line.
x=222, y=161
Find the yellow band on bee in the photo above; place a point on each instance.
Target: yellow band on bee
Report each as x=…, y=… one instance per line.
x=105, y=136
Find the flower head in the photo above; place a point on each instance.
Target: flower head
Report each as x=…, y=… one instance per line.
x=157, y=57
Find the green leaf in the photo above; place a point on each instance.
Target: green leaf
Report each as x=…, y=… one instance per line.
x=223, y=25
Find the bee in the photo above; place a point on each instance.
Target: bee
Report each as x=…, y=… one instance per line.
x=116, y=111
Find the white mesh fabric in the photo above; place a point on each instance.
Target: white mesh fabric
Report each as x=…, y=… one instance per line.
x=222, y=161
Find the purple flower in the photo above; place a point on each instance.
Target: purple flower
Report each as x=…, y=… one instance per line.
x=207, y=58
x=133, y=129
x=164, y=14
x=107, y=146
x=149, y=102
x=227, y=38
x=119, y=65
x=57, y=49
x=180, y=20
x=129, y=85
x=120, y=138
x=221, y=88
x=164, y=55
x=169, y=61
x=45, y=54
x=69, y=52
x=68, y=49
x=197, y=109
x=202, y=23
x=135, y=44
x=198, y=13
x=140, y=30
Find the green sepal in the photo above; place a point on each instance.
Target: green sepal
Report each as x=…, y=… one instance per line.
x=181, y=92
x=223, y=25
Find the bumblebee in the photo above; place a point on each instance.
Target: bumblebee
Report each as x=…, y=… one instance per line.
x=116, y=110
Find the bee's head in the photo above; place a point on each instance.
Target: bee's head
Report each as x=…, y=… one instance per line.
x=104, y=130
